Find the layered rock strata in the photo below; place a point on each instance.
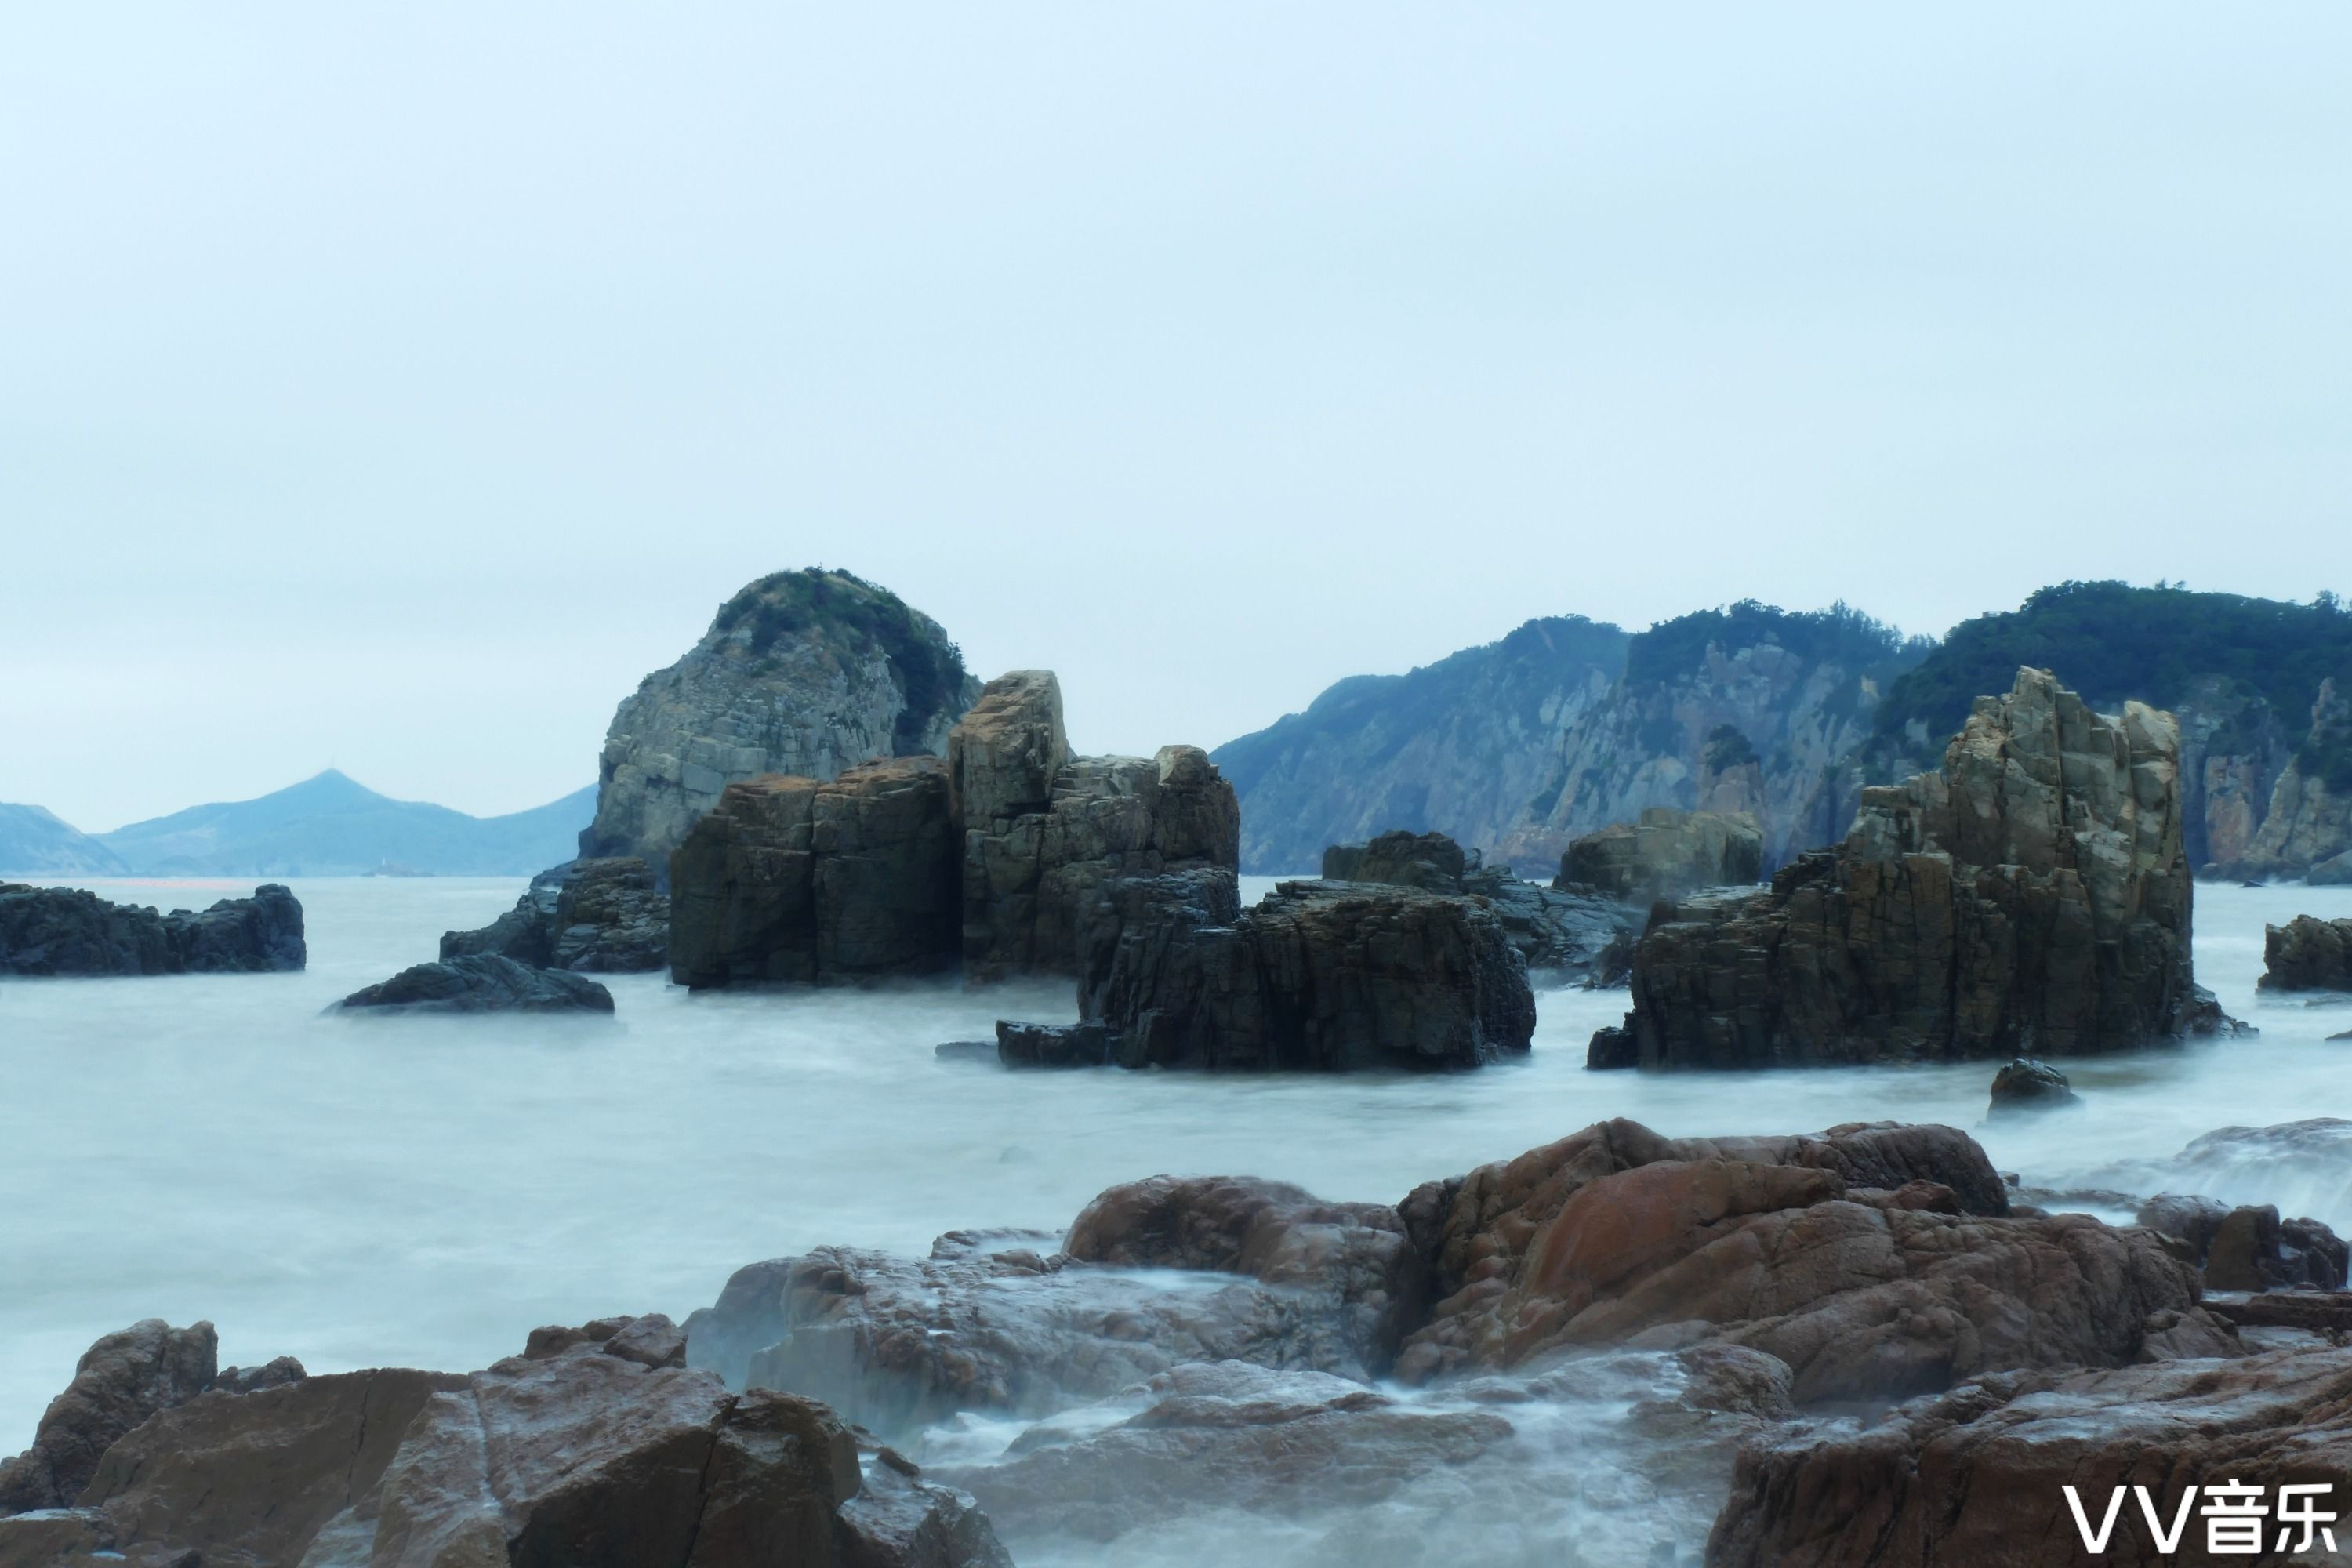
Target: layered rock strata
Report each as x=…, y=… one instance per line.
x=1564, y=936
x=806, y=673
x=65, y=931
x=2032, y=896
x=592, y=915
x=842, y=879
x=1667, y=854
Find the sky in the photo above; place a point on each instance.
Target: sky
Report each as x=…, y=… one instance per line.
x=392, y=386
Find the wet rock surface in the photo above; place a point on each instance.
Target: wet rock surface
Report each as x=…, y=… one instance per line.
x=1665, y=853
x=2307, y=955
x=484, y=982
x=592, y=1448
x=2035, y=893
x=592, y=915
x=68, y=932
x=2029, y=1088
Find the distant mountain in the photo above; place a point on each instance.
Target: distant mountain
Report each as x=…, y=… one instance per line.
x=35, y=843
x=333, y=825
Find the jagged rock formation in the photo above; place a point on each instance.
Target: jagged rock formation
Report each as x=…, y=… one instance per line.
x=806, y=673
x=2033, y=895
x=1318, y=976
x=596, y=1446
x=1667, y=854
x=1564, y=936
x=848, y=878
x=1566, y=726
x=1976, y=1476
x=1042, y=829
x=598, y=917
x=64, y=930
x=119, y=1381
x=2307, y=953
x=2309, y=823
x=480, y=982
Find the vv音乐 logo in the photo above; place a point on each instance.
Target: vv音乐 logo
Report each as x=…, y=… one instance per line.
x=2235, y=1518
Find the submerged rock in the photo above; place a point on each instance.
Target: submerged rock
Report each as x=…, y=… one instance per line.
x=800, y=879
x=1564, y=936
x=592, y=915
x=2029, y=1088
x=2307, y=953
x=1667, y=854
x=2034, y=893
x=806, y=673
x=1319, y=976
x=483, y=983
x=591, y=1448
x=65, y=931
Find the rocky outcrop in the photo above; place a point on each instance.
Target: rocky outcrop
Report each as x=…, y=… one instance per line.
x=598, y=917
x=2309, y=822
x=1977, y=1477
x=824, y=881
x=1042, y=829
x=1565, y=937
x=805, y=673
x=585, y=1450
x=2028, y=1088
x=64, y=930
x=1318, y=976
x=2307, y=953
x=2032, y=895
x=118, y=1384
x=1667, y=854
x=481, y=983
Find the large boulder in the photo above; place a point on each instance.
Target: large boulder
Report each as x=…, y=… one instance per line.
x=2307, y=953
x=804, y=880
x=1043, y=830
x=1979, y=1476
x=2028, y=1088
x=66, y=930
x=1563, y=935
x=805, y=673
x=2032, y=896
x=1667, y=854
x=585, y=1452
x=118, y=1384
x=483, y=983
x=1318, y=976
x=592, y=915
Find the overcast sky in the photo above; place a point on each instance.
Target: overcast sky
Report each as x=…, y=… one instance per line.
x=392, y=386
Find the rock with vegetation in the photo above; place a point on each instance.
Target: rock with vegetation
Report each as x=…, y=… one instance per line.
x=1042, y=829
x=806, y=673
x=2033, y=894
x=2307, y=953
x=2309, y=824
x=592, y=1447
x=592, y=915
x=820, y=881
x=480, y=982
x=1564, y=936
x=1318, y=976
x=68, y=932
x=1667, y=854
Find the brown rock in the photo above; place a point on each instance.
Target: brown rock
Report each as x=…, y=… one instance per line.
x=120, y=1381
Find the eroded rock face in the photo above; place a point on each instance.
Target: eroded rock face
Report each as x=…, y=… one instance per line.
x=591, y=916
x=65, y=931
x=2309, y=824
x=1564, y=937
x=794, y=878
x=1318, y=976
x=1976, y=1476
x=1043, y=830
x=2307, y=953
x=592, y=1450
x=484, y=982
x=805, y=673
x=2033, y=894
x=1667, y=854
x=119, y=1382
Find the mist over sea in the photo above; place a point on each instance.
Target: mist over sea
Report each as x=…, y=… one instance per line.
x=382, y=1191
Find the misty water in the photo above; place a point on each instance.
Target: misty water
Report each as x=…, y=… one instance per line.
x=380, y=1191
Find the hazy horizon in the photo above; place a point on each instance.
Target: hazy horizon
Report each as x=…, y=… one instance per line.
x=398, y=387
